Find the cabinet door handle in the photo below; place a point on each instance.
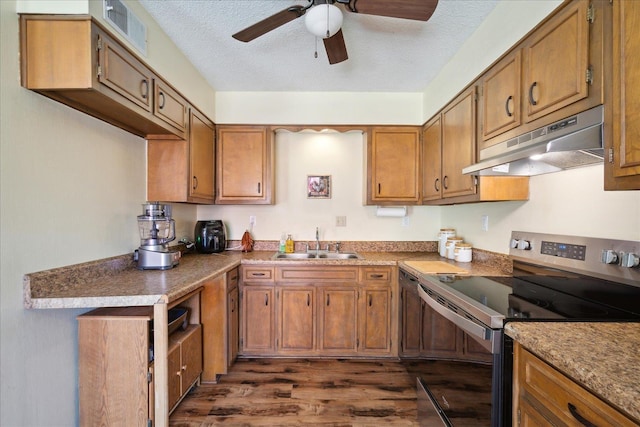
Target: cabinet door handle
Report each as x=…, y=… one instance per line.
x=370, y=300
x=233, y=305
x=195, y=182
x=506, y=106
x=161, y=104
x=266, y=299
x=184, y=367
x=435, y=184
x=444, y=182
x=308, y=300
x=582, y=420
x=259, y=186
x=531, y=100
x=379, y=188
x=144, y=89
x=328, y=301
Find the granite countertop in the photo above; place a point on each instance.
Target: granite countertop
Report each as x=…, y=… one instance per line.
x=116, y=281
x=602, y=356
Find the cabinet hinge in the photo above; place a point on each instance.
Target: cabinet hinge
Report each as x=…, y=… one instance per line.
x=590, y=14
x=149, y=377
x=518, y=416
x=588, y=75
x=99, y=44
x=475, y=180
x=149, y=423
x=99, y=72
x=610, y=155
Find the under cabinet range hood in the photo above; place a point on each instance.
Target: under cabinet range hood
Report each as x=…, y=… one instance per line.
x=573, y=142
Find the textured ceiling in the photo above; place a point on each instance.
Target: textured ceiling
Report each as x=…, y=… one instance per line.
x=385, y=54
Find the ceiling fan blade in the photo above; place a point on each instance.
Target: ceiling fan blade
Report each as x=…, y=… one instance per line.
x=270, y=23
x=419, y=10
x=335, y=47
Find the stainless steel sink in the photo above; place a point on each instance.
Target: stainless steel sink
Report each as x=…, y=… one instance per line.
x=313, y=255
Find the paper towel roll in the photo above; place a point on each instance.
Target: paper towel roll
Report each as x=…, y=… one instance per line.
x=393, y=211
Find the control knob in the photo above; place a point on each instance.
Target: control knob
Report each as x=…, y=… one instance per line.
x=630, y=260
x=610, y=257
x=514, y=243
x=524, y=245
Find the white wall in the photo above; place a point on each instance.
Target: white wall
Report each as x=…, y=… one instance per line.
x=342, y=157
x=71, y=187
x=571, y=202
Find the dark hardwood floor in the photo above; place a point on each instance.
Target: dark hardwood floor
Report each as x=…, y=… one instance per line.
x=285, y=392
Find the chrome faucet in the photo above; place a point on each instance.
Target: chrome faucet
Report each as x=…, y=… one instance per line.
x=317, y=241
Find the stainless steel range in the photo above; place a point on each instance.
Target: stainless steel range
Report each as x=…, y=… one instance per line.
x=555, y=278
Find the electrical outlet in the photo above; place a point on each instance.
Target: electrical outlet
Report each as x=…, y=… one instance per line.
x=485, y=222
x=252, y=220
x=341, y=221
x=405, y=221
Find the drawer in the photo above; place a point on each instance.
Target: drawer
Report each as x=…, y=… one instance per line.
x=257, y=274
x=376, y=274
x=315, y=274
x=232, y=279
x=559, y=396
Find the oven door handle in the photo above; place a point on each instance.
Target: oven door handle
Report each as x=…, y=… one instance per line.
x=467, y=325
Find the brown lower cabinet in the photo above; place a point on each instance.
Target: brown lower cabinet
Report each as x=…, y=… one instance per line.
x=317, y=311
x=118, y=362
x=425, y=333
x=543, y=395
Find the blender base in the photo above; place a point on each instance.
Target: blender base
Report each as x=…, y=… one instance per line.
x=156, y=260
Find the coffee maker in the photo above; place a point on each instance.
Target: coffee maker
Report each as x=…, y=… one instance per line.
x=156, y=230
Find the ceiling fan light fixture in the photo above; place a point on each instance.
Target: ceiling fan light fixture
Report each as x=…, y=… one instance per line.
x=323, y=20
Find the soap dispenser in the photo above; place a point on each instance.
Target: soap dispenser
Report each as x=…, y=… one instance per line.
x=283, y=243
x=289, y=245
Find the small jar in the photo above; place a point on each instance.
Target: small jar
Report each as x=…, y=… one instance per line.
x=463, y=252
x=443, y=235
x=451, y=246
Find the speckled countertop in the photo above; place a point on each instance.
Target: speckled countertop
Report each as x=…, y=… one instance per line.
x=604, y=357
x=116, y=281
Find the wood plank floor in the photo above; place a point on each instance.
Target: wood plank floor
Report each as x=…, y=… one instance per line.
x=286, y=392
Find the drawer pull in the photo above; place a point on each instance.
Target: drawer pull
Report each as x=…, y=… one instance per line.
x=582, y=420
x=377, y=276
x=257, y=274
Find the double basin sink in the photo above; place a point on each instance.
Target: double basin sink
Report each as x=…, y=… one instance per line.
x=314, y=255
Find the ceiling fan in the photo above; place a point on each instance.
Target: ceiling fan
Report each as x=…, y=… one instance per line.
x=324, y=19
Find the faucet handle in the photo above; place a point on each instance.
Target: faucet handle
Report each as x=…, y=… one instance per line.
x=337, y=246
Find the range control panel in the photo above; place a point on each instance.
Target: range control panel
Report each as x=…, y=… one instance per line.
x=564, y=250
x=610, y=259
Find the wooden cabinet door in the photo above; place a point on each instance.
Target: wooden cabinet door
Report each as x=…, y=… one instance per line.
x=411, y=322
x=440, y=336
x=201, y=158
x=375, y=332
x=233, y=324
x=556, y=60
x=258, y=319
x=191, y=352
x=123, y=73
x=622, y=168
x=296, y=318
x=244, y=165
x=459, y=144
x=169, y=106
x=338, y=312
x=432, y=159
x=501, y=97
x=393, y=159
x=174, y=370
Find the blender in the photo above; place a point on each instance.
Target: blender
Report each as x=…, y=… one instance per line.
x=156, y=230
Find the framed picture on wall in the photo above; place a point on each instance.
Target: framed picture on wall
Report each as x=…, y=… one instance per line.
x=318, y=186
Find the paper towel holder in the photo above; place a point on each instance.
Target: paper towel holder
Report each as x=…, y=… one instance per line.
x=391, y=211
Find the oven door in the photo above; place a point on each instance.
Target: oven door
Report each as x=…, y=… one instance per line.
x=487, y=337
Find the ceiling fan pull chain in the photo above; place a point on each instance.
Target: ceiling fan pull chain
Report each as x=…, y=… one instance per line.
x=315, y=55
x=328, y=33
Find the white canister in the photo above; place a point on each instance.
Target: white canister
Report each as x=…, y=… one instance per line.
x=443, y=235
x=451, y=246
x=462, y=252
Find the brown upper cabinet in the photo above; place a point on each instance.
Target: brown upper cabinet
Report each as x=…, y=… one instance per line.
x=622, y=139
x=182, y=170
x=556, y=71
x=449, y=144
x=393, y=165
x=245, y=165
x=74, y=60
